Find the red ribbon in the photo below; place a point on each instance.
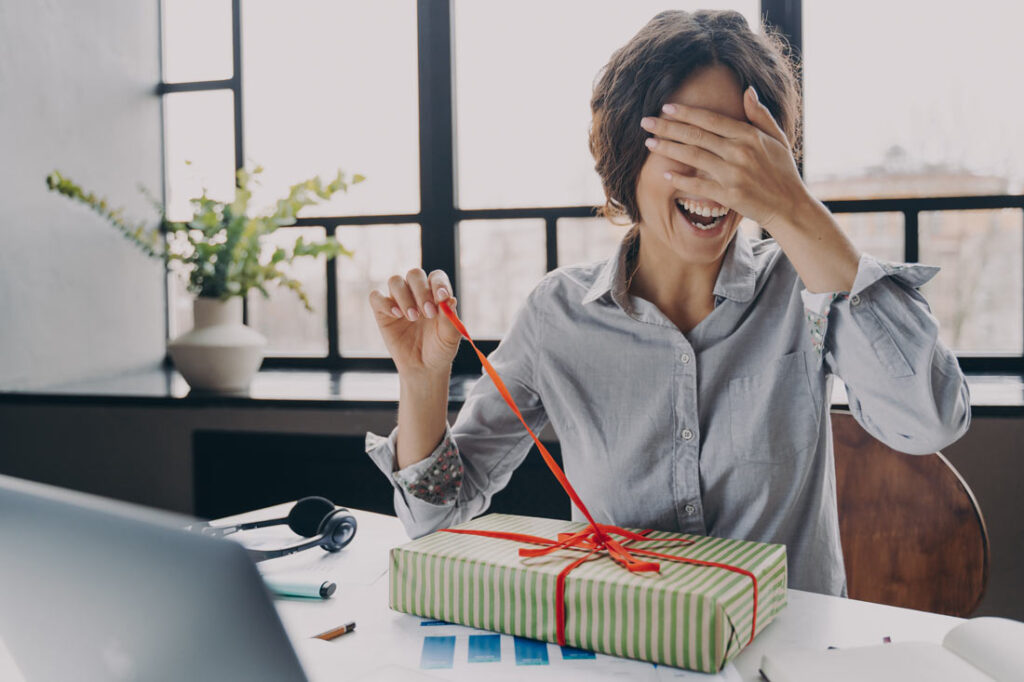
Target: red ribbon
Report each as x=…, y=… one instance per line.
x=595, y=537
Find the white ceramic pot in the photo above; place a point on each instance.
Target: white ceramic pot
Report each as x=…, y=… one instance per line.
x=220, y=353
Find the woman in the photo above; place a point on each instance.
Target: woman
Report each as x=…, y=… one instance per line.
x=688, y=377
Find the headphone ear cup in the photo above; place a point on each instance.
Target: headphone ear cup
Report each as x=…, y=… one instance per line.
x=308, y=515
x=338, y=529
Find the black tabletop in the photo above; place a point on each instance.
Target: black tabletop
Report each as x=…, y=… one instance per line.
x=991, y=394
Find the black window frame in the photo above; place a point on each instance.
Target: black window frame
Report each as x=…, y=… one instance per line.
x=440, y=214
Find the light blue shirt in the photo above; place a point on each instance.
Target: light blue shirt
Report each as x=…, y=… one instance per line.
x=721, y=431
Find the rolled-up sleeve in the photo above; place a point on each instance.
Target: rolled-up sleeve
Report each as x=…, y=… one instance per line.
x=904, y=385
x=425, y=492
x=481, y=450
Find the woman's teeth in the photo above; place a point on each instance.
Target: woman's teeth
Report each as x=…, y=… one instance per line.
x=710, y=226
x=706, y=211
x=691, y=208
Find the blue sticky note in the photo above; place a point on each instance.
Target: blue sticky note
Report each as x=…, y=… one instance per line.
x=531, y=652
x=438, y=652
x=484, y=648
x=435, y=622
x=570, y=653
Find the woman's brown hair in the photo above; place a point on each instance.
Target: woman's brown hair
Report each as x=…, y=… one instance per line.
x=641, y=76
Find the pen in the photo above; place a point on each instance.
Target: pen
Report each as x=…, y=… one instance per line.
x=299, y=588
x=336, y=632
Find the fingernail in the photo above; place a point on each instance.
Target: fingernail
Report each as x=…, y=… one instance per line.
x=647, y=123
x=442, y=294
x=669, y=108
x=413, y=315
x=651, y=143
x=396, y=311
x=429, y=310
x=754, y=93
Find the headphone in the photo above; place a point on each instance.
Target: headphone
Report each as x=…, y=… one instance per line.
x=315, y=518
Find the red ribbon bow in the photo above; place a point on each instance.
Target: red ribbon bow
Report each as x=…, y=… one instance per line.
x=595, y=537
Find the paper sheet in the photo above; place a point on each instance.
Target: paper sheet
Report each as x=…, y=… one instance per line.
x=421, y=649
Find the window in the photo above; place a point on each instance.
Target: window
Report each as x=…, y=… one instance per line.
x=290, y=328
x=907, y=99
x=925, y=112
x=329, y=84
x=380, y=252
x=196, y=40
x=470, y=120
x=523, y=78
x=198, y=134
x=500, y=261
x=978, y=312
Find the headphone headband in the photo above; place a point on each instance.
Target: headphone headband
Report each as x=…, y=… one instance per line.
x=316, y=518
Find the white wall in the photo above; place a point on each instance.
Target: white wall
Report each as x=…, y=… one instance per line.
x=77, y=82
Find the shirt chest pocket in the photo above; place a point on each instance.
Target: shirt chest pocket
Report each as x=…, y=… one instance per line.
x=773, y=413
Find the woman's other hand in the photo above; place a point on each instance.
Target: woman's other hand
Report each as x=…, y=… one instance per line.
x=749, y=167
x=420, y=339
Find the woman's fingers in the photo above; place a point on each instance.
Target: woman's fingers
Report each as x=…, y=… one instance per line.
x=711, y=121
x=689, y=155
x=384, y=305
x=415, y=296
x=667, y=129
x=402, y=294
x=420, y=287
x=760, y=116
x=440, y=285
x=699, y=186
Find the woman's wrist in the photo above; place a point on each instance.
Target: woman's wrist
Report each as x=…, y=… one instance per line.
x=801, y=211
x=422, y=417
x=421, y=382
x=814, y=242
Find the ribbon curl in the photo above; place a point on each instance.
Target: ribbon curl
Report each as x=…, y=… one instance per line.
x=593, y=539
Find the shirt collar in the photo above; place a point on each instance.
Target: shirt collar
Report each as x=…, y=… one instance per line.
x=611, y=278
x=737, y=278
x=736, y=281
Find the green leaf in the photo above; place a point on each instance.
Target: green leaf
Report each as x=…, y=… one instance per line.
x=220, y=249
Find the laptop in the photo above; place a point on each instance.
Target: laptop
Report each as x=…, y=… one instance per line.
x=93, y=589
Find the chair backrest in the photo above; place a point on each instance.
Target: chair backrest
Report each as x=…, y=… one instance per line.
x=912, y=532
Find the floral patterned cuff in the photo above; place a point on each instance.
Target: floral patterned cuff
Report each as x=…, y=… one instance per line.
x=869, y=271
x=816, y=307
x=438, y=478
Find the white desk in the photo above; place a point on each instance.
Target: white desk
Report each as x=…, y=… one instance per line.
x=387, y=644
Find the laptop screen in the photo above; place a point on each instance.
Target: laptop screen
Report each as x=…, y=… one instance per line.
x=92, y=589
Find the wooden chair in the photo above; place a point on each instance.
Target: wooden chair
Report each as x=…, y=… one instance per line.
x=912, y=532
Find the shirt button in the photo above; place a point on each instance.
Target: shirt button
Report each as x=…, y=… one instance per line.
x=855, y=300
x=687, y=434
x=689, y=509
x=685, y=358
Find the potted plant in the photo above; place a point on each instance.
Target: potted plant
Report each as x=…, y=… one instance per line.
x=223, y=253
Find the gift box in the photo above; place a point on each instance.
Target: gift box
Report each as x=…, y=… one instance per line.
x=681, y=600
x=687, y=601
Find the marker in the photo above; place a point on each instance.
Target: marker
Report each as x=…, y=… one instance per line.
x=336, y=632
x=318, y=589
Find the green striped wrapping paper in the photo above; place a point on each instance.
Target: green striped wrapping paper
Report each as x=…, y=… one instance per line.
x=687, y=616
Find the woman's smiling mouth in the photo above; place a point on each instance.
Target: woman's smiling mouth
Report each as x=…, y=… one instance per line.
x=700, y=217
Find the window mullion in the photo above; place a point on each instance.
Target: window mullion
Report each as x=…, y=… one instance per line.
x=786, y=16
x=436, y=133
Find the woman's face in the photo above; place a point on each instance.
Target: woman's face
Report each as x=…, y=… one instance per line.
x=663, y=219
